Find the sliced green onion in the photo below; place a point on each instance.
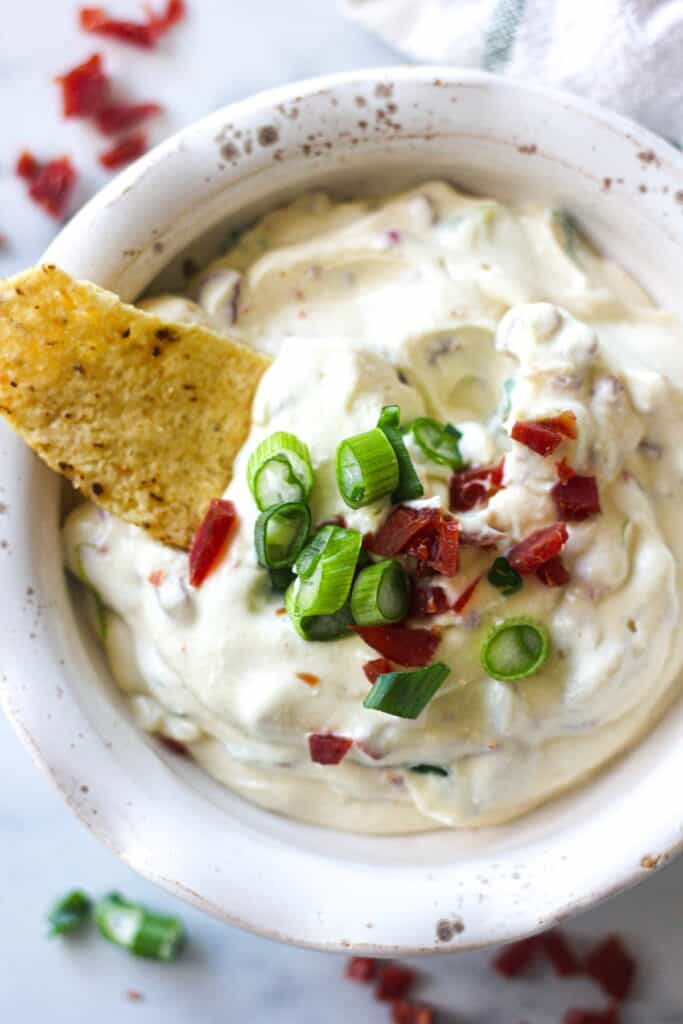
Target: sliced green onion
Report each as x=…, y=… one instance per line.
x=325, y=571
x=409, y=486
x=70, y=913
x=380, y=595
x=406, y=694
x=280, y=470
x=367, y=468
x=502, y=575
x=319, y=627
x=280, y=533
x=515, y=649
x=280, y=579
x=439, y=443
x=156, y=936
x=429, y=769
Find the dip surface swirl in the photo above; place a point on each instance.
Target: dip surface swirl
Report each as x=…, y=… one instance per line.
x=476, y=314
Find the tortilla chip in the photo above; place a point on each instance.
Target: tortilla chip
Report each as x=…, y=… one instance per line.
x=144, y=416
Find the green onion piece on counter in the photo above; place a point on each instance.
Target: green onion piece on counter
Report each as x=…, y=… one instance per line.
x=380, y=595
x=367, y=468
x=429, y=769
x=280, y=470
x=439, y=443
x=502, y=575
x=515, y=649
x=406, y=694
x=155, y=936
x=69, y=914
x=280, y=533
x=280, y=579
x=409, y=486
x=325, y=570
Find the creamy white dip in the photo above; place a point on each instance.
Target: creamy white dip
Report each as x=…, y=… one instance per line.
x=476, y=314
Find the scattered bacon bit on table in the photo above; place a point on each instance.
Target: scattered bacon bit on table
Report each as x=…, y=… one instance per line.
x=377, y=667
x=138, y=33
x=85, y=88
x=308, y=678
x=464, y=599
x=50, y=184
x=561, y=955
x=514, y=959
x=538, y=548
x=404, y=1012
x=577, y=498
x=326, y=748
x=474, y=486
x=27, y=166
x=608, y=1016
x=612, y=966
x=553, y=573
x=395, y=981
x=129, y=148
x=413, y=648
x=428, y=601
x=426, y=534
x=211, y=539
x=121, y=117
x=361, y=968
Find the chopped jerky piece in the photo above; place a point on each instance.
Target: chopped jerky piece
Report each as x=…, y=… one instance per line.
x=137, y=33
x=413, y=648
x=361, y=968
x=564, y=471
x=428, y=601
x=404, y=1012
x=395, y=981
x=52, y=185
x=561, y=955
x=553, y=573
x=466, y=596
x=425, y=534
x=612, y=966
x=377, y=667
x=121, y=117
x=472, y=487
x=577, y=498
x=539, y=438
x=514, y=959
x=129, y=148
x=212, y=539
x=538, y=548
x=85, y=88
x=27, y=167
x=404, y=527
x=326, y=748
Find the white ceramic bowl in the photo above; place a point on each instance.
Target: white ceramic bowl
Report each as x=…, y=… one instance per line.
x=445, y=890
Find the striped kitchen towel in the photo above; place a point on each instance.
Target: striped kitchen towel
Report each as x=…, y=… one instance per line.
x=623, y=53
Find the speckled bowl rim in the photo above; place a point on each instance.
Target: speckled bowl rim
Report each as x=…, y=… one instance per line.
x=280, y=879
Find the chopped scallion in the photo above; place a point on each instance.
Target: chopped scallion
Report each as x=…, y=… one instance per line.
x=280, y=470
x=439, y=443
x=325, y=571
x=515, y=649
x=406, y=694
x=367, y=468
x=156, y=936
x=380, y=595
x=502, y=575
x=280, y=533
x=319, y=627
x=280, y=579
x=409, y=486
x=429, y=769
x=70, y=913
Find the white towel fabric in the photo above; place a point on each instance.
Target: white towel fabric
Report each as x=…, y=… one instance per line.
x=626, y=54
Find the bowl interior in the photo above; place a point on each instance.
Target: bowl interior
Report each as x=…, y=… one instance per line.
x=442, y=890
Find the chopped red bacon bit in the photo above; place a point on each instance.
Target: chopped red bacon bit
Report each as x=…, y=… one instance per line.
x=426, y=534
x=129, y=148
x=577, y=498
x=211, y=539
x=466, y=596
x=156, y=577
x=27, y=167
x=444, y=555
x=514, y=959
x=612, y=966
x=308, y=678
x=411, y=647
x=564, y=471
x=138, y=33
x=361, y=968
x=395, y=981
x=377, y=667
x=326, y=748
x=553, y=573
x=121, y=117
x=539, y=438
x=608, y=1016
x=52, y=185
x=472, y=487
x=403, y=1012
x=539, y=547
x=85, y=88
x=565, y=423
x=428, y=601
x=561, y=955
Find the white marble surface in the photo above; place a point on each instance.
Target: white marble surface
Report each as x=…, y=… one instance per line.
x=228, y=49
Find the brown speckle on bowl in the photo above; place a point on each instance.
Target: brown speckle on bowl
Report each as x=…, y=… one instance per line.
x=446, y=929
x=268, y=135
x=679, y=196
x=606, y=184
x=361, y=101
x=528, y=149
x=230, y=151
x=648, y=156
x=384, y=90
x=649, y=862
